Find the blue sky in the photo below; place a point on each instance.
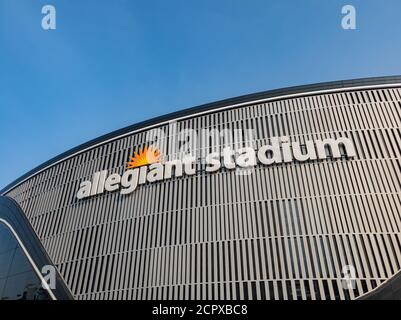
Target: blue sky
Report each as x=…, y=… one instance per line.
x=110, y=64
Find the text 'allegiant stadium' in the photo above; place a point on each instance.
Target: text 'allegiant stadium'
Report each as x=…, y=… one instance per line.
x=146, y=167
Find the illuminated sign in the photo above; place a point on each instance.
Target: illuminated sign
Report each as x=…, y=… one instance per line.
x=146, y=165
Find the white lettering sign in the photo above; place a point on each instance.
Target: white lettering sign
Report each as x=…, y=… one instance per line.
x=145, y=166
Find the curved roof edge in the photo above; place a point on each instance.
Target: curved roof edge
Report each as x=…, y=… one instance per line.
x=249, y=98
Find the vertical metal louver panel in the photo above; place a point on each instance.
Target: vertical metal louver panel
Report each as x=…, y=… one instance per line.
x=283, y=232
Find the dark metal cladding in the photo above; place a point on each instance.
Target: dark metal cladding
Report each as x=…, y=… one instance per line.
x=12, y=213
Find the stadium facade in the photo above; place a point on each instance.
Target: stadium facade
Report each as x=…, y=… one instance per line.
x=285, y=194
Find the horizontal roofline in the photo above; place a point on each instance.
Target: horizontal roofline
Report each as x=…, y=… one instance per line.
x=310, y=89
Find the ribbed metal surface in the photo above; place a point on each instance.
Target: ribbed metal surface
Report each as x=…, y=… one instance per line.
x=281, y=232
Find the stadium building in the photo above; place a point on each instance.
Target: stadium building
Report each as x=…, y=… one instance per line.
x=285, y=194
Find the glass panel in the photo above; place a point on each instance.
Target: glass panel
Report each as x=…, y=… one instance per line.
x=2, y=283
x=5, y=262
x=20, y=263
x=23, y=286
x=18, y=280
x=7, y=241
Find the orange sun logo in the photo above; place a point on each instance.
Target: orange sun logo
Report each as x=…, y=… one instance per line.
x=144, y=157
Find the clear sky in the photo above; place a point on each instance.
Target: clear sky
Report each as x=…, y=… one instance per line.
x=110, y=64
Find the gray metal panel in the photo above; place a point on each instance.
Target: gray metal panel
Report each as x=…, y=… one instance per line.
x=282, y=232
